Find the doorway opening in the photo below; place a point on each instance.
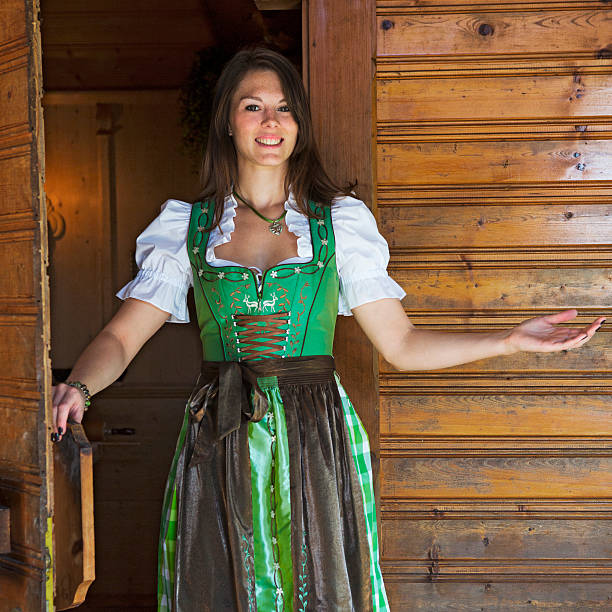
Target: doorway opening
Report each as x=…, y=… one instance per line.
x=114, y=76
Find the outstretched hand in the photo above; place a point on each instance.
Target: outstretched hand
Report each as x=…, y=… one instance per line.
x=544, y=335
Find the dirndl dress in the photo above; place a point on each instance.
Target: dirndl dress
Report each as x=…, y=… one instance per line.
x=269, y=503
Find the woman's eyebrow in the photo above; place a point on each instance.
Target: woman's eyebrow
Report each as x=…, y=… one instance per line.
x=258, y=99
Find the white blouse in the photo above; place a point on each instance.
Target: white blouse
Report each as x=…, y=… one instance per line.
x=165, y=276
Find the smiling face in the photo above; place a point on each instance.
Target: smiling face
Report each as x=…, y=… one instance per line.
x=264, y=130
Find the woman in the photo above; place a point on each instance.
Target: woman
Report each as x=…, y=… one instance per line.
x=269, y=501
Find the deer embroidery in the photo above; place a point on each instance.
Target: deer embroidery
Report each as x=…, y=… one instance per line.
x=250, y=305
x=268, y=303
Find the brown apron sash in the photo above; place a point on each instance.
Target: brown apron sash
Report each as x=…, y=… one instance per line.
x=214, y=555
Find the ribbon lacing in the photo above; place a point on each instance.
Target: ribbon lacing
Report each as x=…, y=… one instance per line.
x=261, y=336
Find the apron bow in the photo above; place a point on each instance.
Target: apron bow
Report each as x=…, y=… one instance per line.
x=232, y=383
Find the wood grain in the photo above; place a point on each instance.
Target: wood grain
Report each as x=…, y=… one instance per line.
x=115, y=45
x=540, y=192
x=480, y=226
x=501, y=539
x=470, y=478
x=497, y=161
x=493, y=155
x=25, y=469
x=13, y=25
x=546, y=290
x=14, y=177
x=23, y=499
x=494, y=98
x=14, y=282
x=496, y=509
x=18, y=337
x=74, y=519
x=495, y=415
x=393, y=7
x=544, y=31
x=518, y=596
x=20, y=447
x=13, y=101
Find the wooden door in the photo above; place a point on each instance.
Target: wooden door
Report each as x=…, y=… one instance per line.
x=491, y=166
x=26, y=575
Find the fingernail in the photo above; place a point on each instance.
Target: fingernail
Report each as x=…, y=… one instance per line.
x=60, y=431
x=53, y=437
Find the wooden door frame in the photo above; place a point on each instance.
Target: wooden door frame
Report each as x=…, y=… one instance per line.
x=26, y=470
x=339, y=51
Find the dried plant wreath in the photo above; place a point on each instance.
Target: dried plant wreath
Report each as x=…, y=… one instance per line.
x=195, y=100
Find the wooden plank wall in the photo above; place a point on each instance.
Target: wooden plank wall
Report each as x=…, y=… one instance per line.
x=25, y=470
x=494, y=154
x=106, y=44
x=150, y=44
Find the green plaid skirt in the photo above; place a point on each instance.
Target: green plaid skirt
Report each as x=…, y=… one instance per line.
x=360, y=451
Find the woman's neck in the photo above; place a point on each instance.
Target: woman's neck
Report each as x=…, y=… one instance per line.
x=261, y=188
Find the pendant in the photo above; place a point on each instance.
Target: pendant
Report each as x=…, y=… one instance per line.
x=276, y=227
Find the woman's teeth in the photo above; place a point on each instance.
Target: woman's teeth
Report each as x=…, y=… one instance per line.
x=268, y=141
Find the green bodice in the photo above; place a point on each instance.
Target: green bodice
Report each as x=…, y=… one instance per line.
x=290, y=313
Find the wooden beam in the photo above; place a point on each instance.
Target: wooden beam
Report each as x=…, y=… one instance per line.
x=338, y=68
x=277, y=5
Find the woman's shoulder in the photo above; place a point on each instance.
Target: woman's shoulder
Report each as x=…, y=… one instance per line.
x=169, y=225
x=173, y=213
x=347, y=201
x=351, y=211
x=177, y=207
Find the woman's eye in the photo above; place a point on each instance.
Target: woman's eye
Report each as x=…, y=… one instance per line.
x=284, y=109
x=252, y=107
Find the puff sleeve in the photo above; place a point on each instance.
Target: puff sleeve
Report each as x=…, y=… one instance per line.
x=164, y=274
x=362, y=256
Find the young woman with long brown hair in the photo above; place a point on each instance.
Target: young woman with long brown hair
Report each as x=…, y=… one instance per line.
x=269, y=502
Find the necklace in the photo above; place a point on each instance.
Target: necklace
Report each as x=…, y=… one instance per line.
x=275, y=226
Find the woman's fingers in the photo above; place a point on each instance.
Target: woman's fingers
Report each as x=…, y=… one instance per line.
x=561, y=317
x=67, y=402
x=57, y=396
x=577, y=337
x=62, y=414
x=542, y=335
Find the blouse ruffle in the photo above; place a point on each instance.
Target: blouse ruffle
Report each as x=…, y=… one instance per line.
x=362, y=255
x=164, y=275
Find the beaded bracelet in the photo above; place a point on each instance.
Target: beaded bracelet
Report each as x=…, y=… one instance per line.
x=83, y=389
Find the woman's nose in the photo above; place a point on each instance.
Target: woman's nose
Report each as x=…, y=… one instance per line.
x=269, y=116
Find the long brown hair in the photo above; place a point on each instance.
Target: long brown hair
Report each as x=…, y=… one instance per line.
x=305, y=174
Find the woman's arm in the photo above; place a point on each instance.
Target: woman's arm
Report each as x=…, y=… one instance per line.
x=106, y=357
x=408, y=348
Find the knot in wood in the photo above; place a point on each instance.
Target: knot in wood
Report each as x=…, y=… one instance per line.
x=387, y=24
x=485, y=29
